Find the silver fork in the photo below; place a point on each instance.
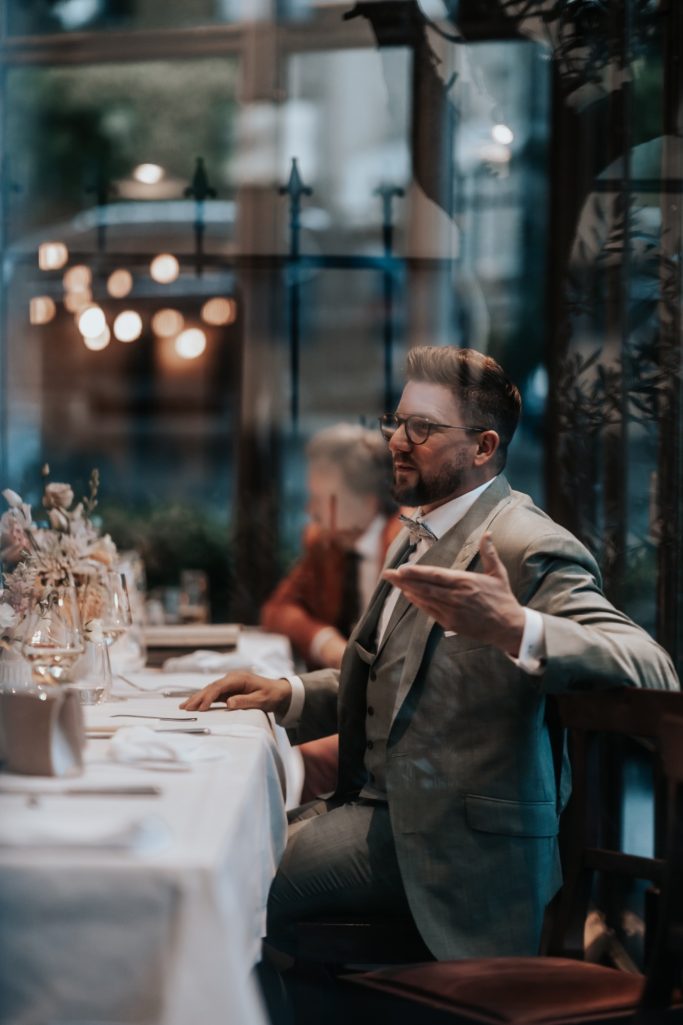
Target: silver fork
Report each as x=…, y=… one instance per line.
x=165, y=718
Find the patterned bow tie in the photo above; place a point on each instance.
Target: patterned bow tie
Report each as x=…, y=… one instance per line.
x=418, y=531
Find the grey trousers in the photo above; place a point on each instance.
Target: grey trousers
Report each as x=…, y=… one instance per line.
x=337, y=861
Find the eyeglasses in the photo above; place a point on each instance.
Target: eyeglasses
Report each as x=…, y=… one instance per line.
x=417, y=428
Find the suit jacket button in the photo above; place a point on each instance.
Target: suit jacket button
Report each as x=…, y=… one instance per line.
x=371, y=710
x=370, y=745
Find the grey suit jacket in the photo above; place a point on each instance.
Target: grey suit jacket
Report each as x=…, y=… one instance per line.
x=471, y=783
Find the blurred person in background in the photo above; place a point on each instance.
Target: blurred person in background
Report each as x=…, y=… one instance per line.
x=353, y=522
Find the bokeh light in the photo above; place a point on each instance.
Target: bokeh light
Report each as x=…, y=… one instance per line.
x=164, y=268
x=41, y=309
x=76, y=302
x=91, y=322
x=119, y=283
x=128, y=326
x=167, y=322
x=100, y=342
x=52, y=255
x=191, y=343
x=219, y=311
x=148, y=174
x=502, y=134
x=77, y=278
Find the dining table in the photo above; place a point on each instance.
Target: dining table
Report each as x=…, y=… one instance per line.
x=135, y=892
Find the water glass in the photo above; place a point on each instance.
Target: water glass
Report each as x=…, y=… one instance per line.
x=92, y=677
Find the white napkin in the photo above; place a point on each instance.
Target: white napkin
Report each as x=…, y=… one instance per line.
x=205, y=661
x=139, y=744
x=266, y=654
x=76, y=827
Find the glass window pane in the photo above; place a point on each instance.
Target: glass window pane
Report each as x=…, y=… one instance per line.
x=28, y=17
x=104, y=161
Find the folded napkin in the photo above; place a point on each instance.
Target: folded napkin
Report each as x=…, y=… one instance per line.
x=42, y=827
x=139, y=744
x=205, y=661
x=216, y=662
x=263, y=653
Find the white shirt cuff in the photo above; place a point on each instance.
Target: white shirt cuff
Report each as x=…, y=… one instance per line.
x=293, y=713
x=532, y=653
x=314, y=651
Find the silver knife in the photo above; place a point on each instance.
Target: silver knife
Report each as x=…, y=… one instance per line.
x=184, y=729
x=134, y=790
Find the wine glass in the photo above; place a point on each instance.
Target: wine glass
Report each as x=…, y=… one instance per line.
x=116, y=612
x=52, y=637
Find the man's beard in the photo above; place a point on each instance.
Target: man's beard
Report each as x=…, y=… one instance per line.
x=426, y=491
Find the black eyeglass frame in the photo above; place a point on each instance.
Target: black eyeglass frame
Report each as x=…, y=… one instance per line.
x=404, y=421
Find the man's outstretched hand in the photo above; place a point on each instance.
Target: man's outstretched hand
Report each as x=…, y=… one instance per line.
x=243, y=690
x=478, y=605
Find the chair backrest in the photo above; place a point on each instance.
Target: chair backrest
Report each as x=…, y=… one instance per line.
x=665, y=969
x=598, y=725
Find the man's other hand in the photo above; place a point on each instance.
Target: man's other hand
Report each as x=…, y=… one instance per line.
x=478, y=605
x=243, y=690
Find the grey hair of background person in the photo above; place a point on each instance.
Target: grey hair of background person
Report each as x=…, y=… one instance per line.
x=362, y=456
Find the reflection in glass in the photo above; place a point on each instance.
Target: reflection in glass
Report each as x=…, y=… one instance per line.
x=52, y=638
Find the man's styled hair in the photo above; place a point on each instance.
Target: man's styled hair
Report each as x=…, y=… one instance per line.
x=361, y=455
x=486, y=395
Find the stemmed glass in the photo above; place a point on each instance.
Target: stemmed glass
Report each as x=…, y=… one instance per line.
x=116, y=612
x=52, y=638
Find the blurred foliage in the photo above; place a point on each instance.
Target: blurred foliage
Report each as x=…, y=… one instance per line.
x=171, y=538
x=69, y=127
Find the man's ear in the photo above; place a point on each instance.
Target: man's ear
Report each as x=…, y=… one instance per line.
x=489, y=442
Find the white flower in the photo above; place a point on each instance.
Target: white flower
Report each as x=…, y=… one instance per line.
x=12, y=498
x=8, y=617
x=58, y=519
x=58, y=496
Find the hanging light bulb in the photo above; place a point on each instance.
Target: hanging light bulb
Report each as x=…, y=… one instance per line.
x=91, y=322
x=164, y=268
x=100, y=342
x=76, y=302
x=148, y=174
x=167, y=322
x=128, y=326
x=77, y=278
x=191, y=343
x=219, y=311
x=502, y=134
x=119, y=283
x=41, y=309
x=52, y=255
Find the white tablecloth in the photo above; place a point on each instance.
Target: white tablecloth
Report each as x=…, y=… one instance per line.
x=166, y=933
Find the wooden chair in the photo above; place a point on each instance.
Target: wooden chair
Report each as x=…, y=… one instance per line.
x=561, y=990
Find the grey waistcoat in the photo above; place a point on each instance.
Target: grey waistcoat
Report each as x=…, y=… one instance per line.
x=384, y=673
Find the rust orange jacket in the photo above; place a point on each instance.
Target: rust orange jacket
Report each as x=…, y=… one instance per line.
x=309, y=598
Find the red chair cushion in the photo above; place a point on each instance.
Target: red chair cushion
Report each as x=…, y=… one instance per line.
x=511, y=990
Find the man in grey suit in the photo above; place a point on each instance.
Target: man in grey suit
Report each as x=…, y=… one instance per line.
x=448, y=797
